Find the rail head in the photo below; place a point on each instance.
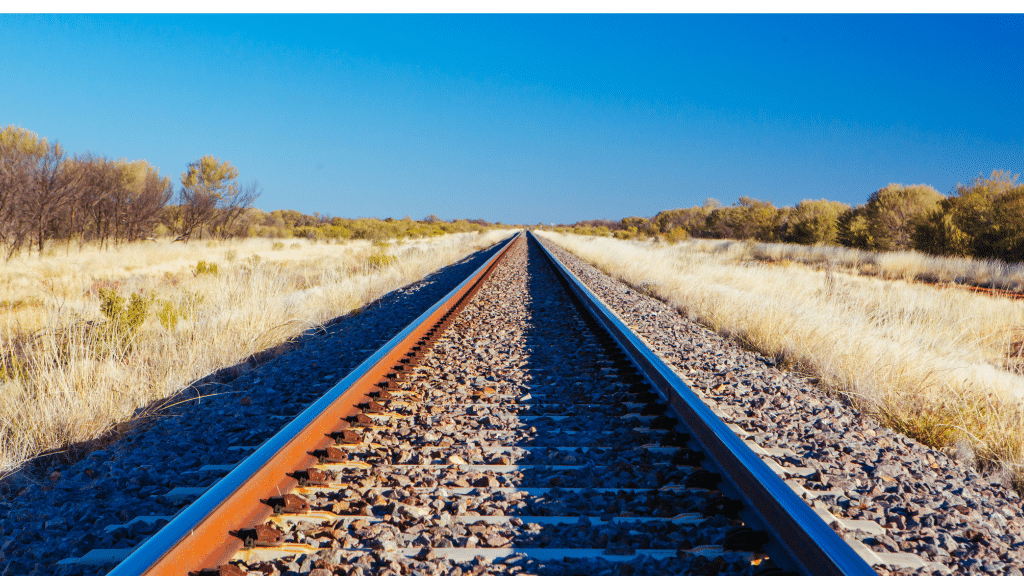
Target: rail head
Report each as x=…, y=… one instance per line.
x=808, y=544
x=181, y=547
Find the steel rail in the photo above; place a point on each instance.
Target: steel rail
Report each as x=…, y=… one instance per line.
x=198, y=537
x=809, y=545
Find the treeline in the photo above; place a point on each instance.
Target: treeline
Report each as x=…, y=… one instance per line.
x=984, y=219
x=292, y=224
x=48, y=196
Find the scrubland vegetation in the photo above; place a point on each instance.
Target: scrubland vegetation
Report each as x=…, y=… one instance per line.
x=88, y=337
x=118, y=290
x=945, y=366
x=982, y=220
x=51, y=202
x=896, y=265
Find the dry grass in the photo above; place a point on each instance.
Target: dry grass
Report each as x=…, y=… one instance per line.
x=69, y=374
x=940, y=365
x=900, y=265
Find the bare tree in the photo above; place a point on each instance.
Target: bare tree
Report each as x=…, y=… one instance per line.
x=197, y=209
x=93, y=216
x=20, y=151
x=147, y=195
x=36, y=187
x=233, y=205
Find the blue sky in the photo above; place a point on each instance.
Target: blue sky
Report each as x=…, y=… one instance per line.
x=530, y=118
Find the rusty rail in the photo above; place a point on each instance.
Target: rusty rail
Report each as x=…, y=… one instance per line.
x=198, y=538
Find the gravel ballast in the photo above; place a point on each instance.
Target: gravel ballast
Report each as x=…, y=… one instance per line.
x=518, y=382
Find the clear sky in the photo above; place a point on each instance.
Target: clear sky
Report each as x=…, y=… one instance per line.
x=530, y=118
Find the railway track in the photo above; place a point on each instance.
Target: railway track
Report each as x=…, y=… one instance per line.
x=518, y=428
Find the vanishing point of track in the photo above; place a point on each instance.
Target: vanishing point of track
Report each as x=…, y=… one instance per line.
x=517, y=426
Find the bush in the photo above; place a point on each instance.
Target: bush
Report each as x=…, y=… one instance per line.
x=748, y=218
x=627, y=234
x=168, y=315
x=983, y=220
x=203, y=268
x=892, y=213
x=813, y=222
x=381, y=260
x=309, y=233
x=333, y=232
x=123, y=320
x=854, y=231
x=677, y=234
x=129, y=317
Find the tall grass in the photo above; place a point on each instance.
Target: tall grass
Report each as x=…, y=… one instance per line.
x=897, y=265
x=75, y=361
x=943, y=366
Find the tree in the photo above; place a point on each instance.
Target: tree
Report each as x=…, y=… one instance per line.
x=232, y=206
x=53, y=189
x=692, y=220
x=94, y=216
x=144, y=195
x=638, y=225
x=211, y=195
x=747, y=219
x=982, y=220
x=893, y=211
x=20, y=151
x=854, y=231
x=1008, y=225
x=813, y=222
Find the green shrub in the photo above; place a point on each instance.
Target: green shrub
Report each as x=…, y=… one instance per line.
x=677, y=234
x=381, y=260
x=812, y=222
x=336, y=232
x=309, y=232
x=203, y=268
x=168, y=315
x=627, y=234
x=277, y=246
x=123, y=320
x=892, y=212
x=982, y=220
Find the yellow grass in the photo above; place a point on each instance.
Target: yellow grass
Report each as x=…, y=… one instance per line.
x=63, y=382
x=897, y=265
x=942, y=365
